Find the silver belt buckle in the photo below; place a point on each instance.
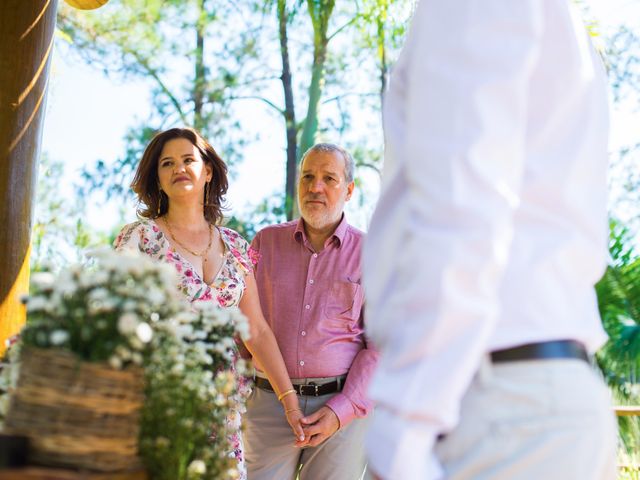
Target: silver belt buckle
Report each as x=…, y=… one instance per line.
x=303, y=390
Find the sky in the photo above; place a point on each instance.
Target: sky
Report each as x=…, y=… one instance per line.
x=88, y=113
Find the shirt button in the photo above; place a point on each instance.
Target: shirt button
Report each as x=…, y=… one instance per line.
x=302, y=363
x=311, y=281
x=307, y=307
x=315, y=255
x=303, y=333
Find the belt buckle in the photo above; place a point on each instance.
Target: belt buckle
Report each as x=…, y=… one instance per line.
x=315, y=389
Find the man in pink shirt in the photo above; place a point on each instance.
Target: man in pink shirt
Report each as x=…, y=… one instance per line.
x=308, y=274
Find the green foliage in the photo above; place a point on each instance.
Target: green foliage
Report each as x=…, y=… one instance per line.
x=268, y=212
x=383, y=25
x=201, y=71
x=190, y=84
x=619, y=303
x=113, y=178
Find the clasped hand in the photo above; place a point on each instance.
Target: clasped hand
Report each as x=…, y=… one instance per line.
x=318, y=427
x=314, y=429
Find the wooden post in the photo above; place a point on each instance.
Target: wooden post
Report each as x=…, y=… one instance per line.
x=26, y=45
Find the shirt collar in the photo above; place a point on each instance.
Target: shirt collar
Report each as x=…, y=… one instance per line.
x=339, y=233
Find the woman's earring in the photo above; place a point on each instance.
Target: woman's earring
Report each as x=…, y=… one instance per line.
x=206, y=194
x=159, y=203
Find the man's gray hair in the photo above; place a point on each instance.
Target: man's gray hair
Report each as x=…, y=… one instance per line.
x=349, y=165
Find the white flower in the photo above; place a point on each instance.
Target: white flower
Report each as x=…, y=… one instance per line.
x=199, y=335
x=228, y=342
x=184, y=331
x=101, y=277
x=144, y=332
x=123, y=352
x=135, y=343
x=136, y=358
x=128, y=323
x=44, y=280
x=66, y=284
x=115, y=362
x=58, y=337
x=129, y=306
x=155, y=296
x=240, y=323
x=37, y=303
x=197, y=467
x=87, y=278
x=98, y=295
x=177, y=368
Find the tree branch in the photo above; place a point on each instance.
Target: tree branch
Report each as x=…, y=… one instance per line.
x=257, y=97
x=153, y=73
x=337, y=98
x=371, y=166
x=350, y=22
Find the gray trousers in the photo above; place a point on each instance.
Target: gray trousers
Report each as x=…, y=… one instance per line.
x=533, y=420
x=269, y=444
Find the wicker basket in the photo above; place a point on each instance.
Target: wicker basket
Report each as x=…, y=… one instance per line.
x=76, y=414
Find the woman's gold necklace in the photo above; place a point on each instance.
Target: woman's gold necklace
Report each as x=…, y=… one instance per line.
x=203, y=253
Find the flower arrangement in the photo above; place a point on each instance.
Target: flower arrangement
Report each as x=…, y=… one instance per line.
x=124, y=310
x=104, y=311
x=190, y=420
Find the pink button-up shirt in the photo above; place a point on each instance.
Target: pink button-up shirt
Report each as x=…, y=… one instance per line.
x=314, y=302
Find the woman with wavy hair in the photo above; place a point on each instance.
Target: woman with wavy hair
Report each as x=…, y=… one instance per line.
x=180, y=183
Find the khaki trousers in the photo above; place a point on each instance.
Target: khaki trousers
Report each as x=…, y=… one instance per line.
x=533, y=420
x=269, y=444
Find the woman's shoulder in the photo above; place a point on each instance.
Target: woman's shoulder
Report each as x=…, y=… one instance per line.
x=233, y=237
x=238, y=247
x=141, y=225
x=135, y=232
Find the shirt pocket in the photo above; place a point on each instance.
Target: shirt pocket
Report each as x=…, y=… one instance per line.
x=343, y=304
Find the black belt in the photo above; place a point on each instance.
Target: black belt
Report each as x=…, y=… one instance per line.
x=542, y=350
x=310, y=389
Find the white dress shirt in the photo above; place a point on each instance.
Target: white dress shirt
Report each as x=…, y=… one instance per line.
x=491, y=229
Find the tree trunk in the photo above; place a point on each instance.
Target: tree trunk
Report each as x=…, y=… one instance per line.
x=26, y=43
x=289, y=113
x=200, y=73
x=310, y=126
x=320, y=12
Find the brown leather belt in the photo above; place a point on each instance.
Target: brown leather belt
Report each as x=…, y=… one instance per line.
x=542, y=350
x=310, y=389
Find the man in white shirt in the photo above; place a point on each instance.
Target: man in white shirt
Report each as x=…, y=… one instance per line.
x=490, y=233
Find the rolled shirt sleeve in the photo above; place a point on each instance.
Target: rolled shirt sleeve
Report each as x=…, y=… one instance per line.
x=353, y=402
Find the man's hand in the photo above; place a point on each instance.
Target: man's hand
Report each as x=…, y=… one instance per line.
x=319, y=426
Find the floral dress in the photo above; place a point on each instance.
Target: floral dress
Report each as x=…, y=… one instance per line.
x=226, y=289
